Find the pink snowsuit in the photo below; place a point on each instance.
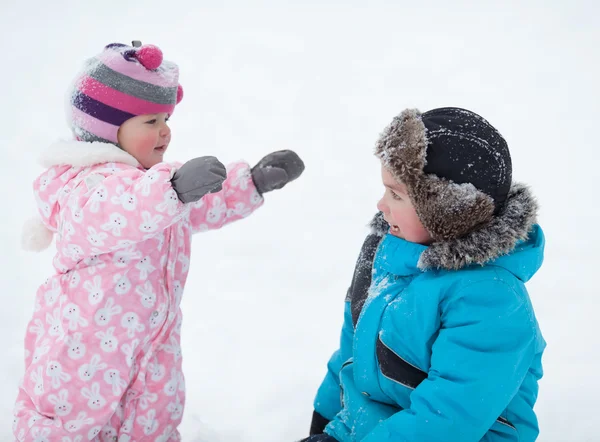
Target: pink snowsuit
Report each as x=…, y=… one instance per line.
x=102, y=350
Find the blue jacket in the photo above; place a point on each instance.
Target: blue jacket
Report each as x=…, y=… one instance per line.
x=436, y=354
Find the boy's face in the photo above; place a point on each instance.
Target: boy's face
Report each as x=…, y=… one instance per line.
x=399, y=212
x=146, y=138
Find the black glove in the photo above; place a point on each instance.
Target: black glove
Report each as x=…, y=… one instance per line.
x=276, y=170
x=198, y=177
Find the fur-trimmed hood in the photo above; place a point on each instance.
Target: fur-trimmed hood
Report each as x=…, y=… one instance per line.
x=36, y=234
x=84, y=154
x=490, y=241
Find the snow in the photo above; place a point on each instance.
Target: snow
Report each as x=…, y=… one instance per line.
x=264, y=301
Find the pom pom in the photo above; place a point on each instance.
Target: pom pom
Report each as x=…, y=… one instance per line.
x=179, y=93
x=36, y=236
x=149, y=56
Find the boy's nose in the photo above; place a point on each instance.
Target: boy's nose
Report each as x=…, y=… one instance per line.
x=382, y=207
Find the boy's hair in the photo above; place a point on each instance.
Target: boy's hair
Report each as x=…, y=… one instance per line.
x=455, y=165
x=118, y=84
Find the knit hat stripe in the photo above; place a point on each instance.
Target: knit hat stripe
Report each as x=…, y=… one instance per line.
x=114, y=61
x=84, y=135
x=129, y=86
x=93, y=125
x=100, y=110
x=119, y=100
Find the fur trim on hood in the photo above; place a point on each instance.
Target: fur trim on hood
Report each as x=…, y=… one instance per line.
x=488, y=242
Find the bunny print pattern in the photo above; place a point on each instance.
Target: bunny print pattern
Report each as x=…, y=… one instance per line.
x=103, y=356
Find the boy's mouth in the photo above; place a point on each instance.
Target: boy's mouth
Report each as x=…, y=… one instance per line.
x=394, y=228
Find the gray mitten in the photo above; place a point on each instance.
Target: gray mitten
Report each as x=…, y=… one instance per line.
x=198, y=177
x=276, y=170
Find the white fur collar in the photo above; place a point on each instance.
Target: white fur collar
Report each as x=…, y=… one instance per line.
x=83, y=154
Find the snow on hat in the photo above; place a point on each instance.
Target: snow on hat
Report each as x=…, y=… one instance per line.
x=456, y=167
x=120, y=83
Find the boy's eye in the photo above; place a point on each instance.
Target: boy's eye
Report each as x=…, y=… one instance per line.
x=395, y=195
x=151, y=121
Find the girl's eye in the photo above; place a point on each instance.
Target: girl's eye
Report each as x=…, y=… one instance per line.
x=151, y=121
x=167, y=118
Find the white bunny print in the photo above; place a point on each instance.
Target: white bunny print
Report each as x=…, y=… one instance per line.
x=41, y=350
x=55, y=372
x=95, y=399
x=99, y=195
x=53, y=294
x=67, y=230
x=166, y=434
x=46, y=179
x=146, y=398
x=216, y=212
x=125, y=199
x=75, y=439
x=94, y=264
x=73, y=314
x=131, y=322
x=158, y=316
x=76, y=349
x=145, y=267
x=173, y=347
x=113, y=378
x=147, y=294
x=74, y=280
x=150, y=223
x=185, y=262
x=78, y=422
x=149, y=422
x=54, y=320
x=40, y=434
x=123, y=285
x=108, y=342
x=96, y=238
x=145, y=184
x=73, y=251
x=239, y=209
x=38, y=329
x=129, y=351
x=170, y=387
x=88, y=371
x=241, y=180
x=104, y=315
x=169, y=204
x=38, y=379
x=115, y=224
x=157, y=371
x=94, y=431
x=122, y=258
x=95, y=292
x=62, y=406
x=175, y=408
x=108, y=434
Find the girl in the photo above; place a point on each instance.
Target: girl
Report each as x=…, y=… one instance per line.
x=102, y=354
x=440, y=341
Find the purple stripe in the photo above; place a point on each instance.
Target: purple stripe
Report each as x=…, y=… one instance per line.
x=100, y=110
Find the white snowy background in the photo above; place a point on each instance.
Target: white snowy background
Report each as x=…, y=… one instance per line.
x=263, y=305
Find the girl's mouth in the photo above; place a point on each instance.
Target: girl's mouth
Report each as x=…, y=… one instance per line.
x=160, y=149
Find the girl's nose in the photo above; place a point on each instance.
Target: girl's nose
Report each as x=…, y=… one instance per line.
x=164, y=130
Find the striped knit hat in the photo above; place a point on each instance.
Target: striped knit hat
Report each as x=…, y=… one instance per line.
x=120, y=83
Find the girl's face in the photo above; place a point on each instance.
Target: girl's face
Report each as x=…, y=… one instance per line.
x=399, y=212
x=146, y=138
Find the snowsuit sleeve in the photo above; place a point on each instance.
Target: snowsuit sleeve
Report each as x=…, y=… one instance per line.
x=237, y=200
x=103, y=211
x=477, y=365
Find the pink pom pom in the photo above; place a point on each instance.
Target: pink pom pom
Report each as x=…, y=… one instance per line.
x=149, y=56
x=179, y=93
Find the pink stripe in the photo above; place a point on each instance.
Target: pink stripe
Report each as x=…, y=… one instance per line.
x=113, y=98
x=94, y=126
x=116, y=62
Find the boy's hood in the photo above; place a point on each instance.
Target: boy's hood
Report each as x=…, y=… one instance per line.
x=510, y=240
